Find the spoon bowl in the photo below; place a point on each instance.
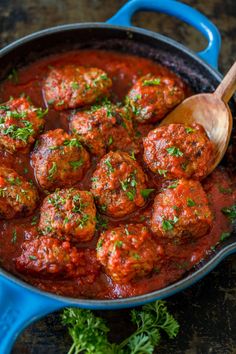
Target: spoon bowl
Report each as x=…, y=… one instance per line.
x=212, y=112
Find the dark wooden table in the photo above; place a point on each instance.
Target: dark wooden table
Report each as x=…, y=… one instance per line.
x=207, y=310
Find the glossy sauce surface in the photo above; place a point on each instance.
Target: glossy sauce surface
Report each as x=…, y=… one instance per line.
x=124, y=70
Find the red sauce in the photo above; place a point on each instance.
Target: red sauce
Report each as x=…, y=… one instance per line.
x=124, y=71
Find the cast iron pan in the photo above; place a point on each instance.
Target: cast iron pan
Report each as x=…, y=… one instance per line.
x=20, y=303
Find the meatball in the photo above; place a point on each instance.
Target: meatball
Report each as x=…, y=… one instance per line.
x=118, y=184
x=127, y=252
x=104, y=128
x=20, y=123
x=50, y=257
x=73, y=86
x=17, y=196
x=181, y=211
x=59, y=160
x=178, y=151
x=68, y=213
x=152, y=97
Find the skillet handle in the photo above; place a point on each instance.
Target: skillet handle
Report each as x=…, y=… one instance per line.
x=185, y=13
x=18, y=308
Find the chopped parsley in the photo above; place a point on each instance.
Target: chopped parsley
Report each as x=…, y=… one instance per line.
x=110, y=140
x=132, y=155
x=146, y=192
x=173, y=185
x=107, y=162
x=136, y=256
x=13, y=76
x=18, y=133
x=153, y=82
x=129, y=186
x=118, y=244
x=174, y=151
x=189, y=130
x=41, y=113
x=225, y=190
x=33, y=258
x=14, y=181
x=168, y=225
x=162, y=172
x=100, y=243
x=52, y=171
x=76, y=164
x=230, y=212
x=224, y=236
x=75, y=85
x=190, y=202
x=14, y=236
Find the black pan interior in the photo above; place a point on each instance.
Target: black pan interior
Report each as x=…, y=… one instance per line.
x=139, y=42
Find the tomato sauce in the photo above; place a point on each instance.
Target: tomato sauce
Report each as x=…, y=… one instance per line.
x=124, y=71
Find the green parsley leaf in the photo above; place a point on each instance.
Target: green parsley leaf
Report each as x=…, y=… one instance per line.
x=52, y=171
x=174, y=151
x=173, y=185
x=153, y=82
x=90, y=333
x=75, y=85
x=224, y=236
x=146, y=192
x=190, y=202
x=162, y=172
x=168, y=225
x=107, y=162
x=230, y=212
x=14, y=236
x=189, y=130
x=76, y=164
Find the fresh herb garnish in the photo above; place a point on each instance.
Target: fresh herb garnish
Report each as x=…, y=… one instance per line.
x=90, y=333
x=174, y=151
x=168, y=225
x=162, y=172
x=52, y=170
x=129, y=186
x=190, y=202
x=152, y=82
x=18, y=133
x=173, y=185
x=14, y=236
x=75, y=85
x=146, y=192
x=107, y=162
x=189, y=130
x=76, y=164
x=224, y=236
x=32, y=258
x=230, y=212
x=13, y=76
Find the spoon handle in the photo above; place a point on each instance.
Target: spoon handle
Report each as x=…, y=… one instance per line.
x=227, y=87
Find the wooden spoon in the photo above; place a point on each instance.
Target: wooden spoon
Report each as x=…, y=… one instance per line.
x=212, y=112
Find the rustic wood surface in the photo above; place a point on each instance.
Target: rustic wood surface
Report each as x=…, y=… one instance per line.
x=206, y=311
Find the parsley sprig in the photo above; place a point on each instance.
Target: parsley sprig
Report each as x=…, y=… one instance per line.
x=90, y=333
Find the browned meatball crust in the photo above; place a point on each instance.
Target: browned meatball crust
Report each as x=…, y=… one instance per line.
x=127, y=252
x=181, y=211
x=59, y=160
x=152, y=97
x=105, y=128
x=117, y=184
x=20, y=123
x=178, y=151
x=68, y=213
x=17, y=196
x=73, y=86
x=50, y=257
